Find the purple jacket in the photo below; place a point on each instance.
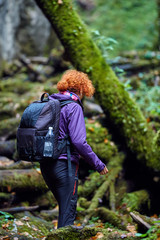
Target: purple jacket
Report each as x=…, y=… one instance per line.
x=72, y=122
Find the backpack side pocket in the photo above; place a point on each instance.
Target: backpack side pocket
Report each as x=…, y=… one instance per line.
x=26, y=143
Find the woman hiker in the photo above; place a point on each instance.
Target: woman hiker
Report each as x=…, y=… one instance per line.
x=74, y=85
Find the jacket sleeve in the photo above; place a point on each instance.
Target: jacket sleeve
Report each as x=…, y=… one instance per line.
x=77, y=132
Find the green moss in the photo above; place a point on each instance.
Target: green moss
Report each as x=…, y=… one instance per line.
x=9, y=126
x=157, y=139
x=136, y=200
x=46, y=200
x=4, y=196
x=16, y=180
x=83, y=202
x=70, y=233
x=100, y=141
x=109, y=216
x=16, y=85
x=94, y=180
x=28, y=227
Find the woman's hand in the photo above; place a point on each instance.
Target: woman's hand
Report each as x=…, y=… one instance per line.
x=104, y=171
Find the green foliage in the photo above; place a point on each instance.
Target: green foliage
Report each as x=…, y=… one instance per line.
x=5, y=217
x=93, y=220
x=109, y=225
x=148, y=99
x=105, y=44
x=151, y=234
x=131, y=23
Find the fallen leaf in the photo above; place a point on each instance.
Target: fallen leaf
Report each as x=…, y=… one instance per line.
x=55, y=223
x=91, y=129
x=100, y=225
x=5, y=225
x=105, y=140
x=38, y=170
x=28, y=224
x=25, y=218
x=97, y=236
x=5, y=238
x=131, y=228
x=110, y=229
x=79, y=224
x=19, y=223
x=112, y=144
x=91, y=120
x=25, y=233
x=148, y=120
x=35, y=229
x=154, y=216
x=9, y=188
x=97, y=125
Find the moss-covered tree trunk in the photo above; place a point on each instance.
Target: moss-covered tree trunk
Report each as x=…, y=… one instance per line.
x=21, y=180
x=120, y=109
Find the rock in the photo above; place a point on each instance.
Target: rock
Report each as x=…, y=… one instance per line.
x=21, y=29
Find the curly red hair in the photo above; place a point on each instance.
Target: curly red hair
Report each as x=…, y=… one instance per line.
x=77, y=82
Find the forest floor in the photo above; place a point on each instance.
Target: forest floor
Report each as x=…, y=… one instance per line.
x=121, y=205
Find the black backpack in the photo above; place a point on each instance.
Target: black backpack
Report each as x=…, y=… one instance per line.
x=33, y=131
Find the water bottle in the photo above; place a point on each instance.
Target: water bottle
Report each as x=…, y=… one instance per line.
x=48, y=145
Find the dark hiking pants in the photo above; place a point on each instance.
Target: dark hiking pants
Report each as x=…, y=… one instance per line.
x=63, y=187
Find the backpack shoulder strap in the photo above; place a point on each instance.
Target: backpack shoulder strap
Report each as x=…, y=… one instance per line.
x=65, y=102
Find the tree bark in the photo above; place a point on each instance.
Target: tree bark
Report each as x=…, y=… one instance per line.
x=120, y=109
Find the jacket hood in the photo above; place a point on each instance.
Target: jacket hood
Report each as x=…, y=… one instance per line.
x=62, y=97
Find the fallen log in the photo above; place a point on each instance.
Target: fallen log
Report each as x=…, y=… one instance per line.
x=19, y=209
x=83, y=202
x=150, y=220
x=114, y=167
x=113, y=218
x=45, y=200
x=5, y=196
x=39, y=60
x=27, y=63
x=49, y=215
x=88, y=232
x=135, y=201
x=10, y=164
x=8, y=128
x=21, y=181
x=112, y=197
x=94, y=180
x=5, y=162
x=7, y=148
x=103, y=188
x=140, y=221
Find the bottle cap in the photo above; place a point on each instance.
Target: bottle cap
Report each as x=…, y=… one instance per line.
x=51, y=128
